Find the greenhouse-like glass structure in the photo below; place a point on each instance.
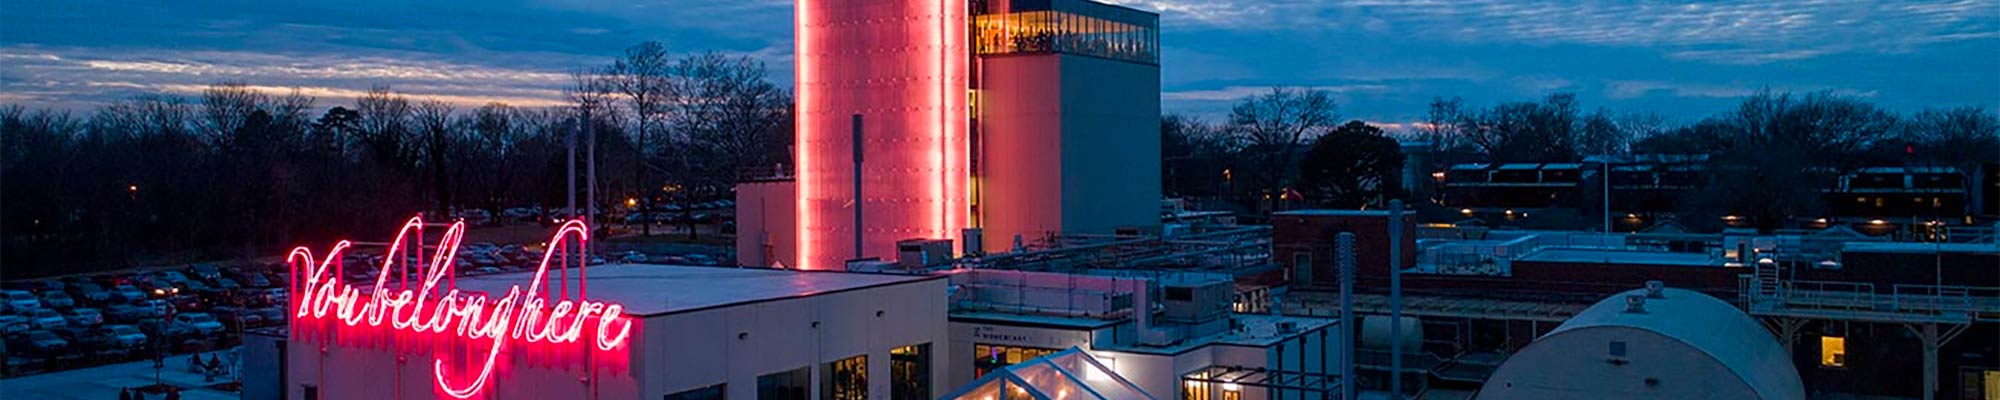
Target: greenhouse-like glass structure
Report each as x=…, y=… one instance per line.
x=1070, y=374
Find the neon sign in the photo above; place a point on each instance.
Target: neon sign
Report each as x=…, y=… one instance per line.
x=521, y=316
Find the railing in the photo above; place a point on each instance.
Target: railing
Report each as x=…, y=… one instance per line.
x=1853, y=299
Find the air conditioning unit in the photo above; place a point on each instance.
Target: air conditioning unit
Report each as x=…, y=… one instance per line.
x=923, y=253
x=1196, y=300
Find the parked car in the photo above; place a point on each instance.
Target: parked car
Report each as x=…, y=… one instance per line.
x=259, y=281
x=12, y=324
x=156, y=308
x=47, y=319
x=90, y=292
x=42, y=341
x=84, y=317
x=20, y=301
x=120, y=336
x=129, y=293
x=198, y=323
x=207, y=271
x=57, y=299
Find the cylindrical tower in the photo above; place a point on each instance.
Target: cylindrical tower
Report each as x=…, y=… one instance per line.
x=901, y=65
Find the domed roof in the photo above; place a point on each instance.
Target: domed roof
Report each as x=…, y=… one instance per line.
x=1707, y=324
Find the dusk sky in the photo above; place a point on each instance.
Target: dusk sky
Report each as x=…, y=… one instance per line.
x=1383, y=58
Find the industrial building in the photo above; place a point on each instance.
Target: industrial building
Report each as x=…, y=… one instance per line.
x=983, y=123
x=697, y=333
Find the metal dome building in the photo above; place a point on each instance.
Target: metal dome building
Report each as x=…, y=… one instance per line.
x=1654, y=343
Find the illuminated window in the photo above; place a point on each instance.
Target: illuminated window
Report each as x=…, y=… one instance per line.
x=910, y=372
x=986, y=358
x=845, y=379
x=1832, y=351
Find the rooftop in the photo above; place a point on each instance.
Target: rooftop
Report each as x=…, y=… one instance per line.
x=1339, y=213
x=1621, y=256
x=649, y=289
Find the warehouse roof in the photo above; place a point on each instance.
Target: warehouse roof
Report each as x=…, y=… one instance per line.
x=650, y=289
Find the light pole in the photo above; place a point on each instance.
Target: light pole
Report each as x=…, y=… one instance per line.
x=1396, y=299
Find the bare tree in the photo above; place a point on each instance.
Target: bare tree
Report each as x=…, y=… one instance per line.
x=385, y=127
x=1960, y=138
x=225, y=105
x=1274, y=126
x=1526, y=131
x=434, y=121
x=644, y=77
x=1600, y=134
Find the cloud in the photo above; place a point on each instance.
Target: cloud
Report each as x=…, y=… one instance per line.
x=76, y=78
x=1727, y=32
x=1233, y=93
x=1634, y=89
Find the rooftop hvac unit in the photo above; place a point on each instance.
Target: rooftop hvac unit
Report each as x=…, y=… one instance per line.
x=923, y=253
x=974, y=240
x=1196, y=301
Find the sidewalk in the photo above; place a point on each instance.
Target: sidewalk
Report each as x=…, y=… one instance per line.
x=103, y=382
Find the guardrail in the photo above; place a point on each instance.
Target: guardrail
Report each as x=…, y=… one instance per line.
x=1839, y=299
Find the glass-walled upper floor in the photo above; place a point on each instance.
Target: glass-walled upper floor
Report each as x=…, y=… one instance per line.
x=1065, y=26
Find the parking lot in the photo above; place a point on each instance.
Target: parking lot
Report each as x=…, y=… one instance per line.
x=83, y=321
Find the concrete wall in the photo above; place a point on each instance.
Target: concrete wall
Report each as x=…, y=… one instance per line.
x=364, y=367
x=735, y=345
x=1069, y=144
x=767, y=223
x=262, y=358
x=668, y=354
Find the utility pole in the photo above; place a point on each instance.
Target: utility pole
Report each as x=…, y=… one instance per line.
x=569, y=167
x=590, y=174
x=1396, y=299
x=1607, y=194
x=1344, y=248
x=857, y=185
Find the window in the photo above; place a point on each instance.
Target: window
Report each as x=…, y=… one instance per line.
x=1618, y=349
x=711, y=392
x=788, y=385
x=845, y=379
x=311, y=391
x=910, y=372
x=986, y=358
x=1832, y=351
x=1179, y=293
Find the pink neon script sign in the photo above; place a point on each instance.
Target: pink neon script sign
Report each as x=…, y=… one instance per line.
x=524, y=315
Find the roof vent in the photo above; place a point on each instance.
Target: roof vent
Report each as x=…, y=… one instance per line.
x=1656, y=289
x=1635, y=304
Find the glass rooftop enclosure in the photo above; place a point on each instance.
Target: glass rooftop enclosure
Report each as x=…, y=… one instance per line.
x=1070, y=374
x=1077, y=27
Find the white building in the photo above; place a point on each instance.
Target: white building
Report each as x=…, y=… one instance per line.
x=1191, y=347
x=698, y=333
x=1655, y=343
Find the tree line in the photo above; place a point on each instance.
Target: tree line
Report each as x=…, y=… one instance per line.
x=233, y=171
x=1788, y=146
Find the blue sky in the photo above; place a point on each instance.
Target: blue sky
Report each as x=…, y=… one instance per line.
x=1384, y=59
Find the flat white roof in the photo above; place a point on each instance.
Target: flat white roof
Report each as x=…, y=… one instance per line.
x=1621, y=256
x=651, y=289
x=1341, y=213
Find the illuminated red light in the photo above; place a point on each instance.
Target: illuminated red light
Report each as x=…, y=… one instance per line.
x=524, y=316
x=915, y=119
